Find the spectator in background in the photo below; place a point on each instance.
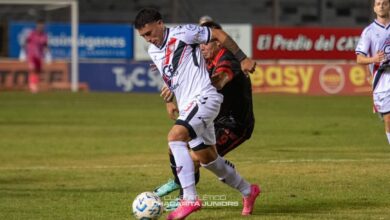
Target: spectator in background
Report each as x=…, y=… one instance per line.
x=36, y=48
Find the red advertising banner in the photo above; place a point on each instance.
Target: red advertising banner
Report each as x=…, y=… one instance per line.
x=316, y=79
x=305, y=43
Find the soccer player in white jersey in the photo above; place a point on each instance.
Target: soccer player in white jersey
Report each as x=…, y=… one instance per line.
x=176, y=54
x=373, y=49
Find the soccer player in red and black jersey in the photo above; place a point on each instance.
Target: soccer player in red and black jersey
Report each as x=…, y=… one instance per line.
x=235, y=121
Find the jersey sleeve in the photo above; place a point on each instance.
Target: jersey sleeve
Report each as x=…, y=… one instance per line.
x=363, y=45
x=193, y=34
x=228, y=64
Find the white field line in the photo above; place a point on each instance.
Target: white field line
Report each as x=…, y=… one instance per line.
x=157, y=165
x=78, y=167
x=328, y=160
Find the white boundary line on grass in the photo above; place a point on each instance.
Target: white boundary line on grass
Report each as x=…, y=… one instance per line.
x=328, y=160
x=78, y=167
x=156, y=165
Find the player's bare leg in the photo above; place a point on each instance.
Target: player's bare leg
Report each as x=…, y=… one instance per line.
x=386, y=119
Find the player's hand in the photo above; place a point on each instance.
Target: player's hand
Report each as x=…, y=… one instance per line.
x=379, y=57
x=172, y=110
x=248, y=65
x=166, y=94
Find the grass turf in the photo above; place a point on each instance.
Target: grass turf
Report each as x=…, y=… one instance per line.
x=87, y=155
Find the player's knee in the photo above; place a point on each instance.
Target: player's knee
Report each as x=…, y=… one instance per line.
x=177, y=133
x=206, y=155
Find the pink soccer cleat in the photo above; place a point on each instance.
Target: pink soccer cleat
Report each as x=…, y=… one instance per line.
x=185, y=209
x=249, y=202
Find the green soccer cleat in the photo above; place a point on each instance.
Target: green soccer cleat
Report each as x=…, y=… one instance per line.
x=172, y=205
x=166, y=188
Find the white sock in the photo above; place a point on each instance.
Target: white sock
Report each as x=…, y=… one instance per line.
x=189, y=193
x=185, y=169
x=388, y=136
x=225, y=171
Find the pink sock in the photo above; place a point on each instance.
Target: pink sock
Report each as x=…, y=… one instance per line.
x=33, y=80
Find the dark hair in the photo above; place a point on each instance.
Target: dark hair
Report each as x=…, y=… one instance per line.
x=211, y=24
x=146, y=16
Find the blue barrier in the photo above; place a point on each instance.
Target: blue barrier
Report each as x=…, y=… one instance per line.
x=95, y=40
x=120, y=77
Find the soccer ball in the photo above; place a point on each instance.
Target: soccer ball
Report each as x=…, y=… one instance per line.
x=147, y=206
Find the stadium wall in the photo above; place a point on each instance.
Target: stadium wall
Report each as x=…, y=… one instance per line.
x=14, y=75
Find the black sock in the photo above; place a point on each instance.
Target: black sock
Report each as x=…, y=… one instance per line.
x=197, y=177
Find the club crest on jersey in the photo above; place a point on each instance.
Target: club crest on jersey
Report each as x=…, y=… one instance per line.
x=386, y=49
x=168, y=74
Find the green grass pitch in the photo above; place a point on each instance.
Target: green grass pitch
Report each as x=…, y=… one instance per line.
x=87, y=155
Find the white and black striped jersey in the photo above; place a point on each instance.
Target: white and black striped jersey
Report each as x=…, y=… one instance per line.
x=376, y=37
x=181, y=63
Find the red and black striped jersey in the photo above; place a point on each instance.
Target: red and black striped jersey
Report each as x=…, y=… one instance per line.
x=237, y=92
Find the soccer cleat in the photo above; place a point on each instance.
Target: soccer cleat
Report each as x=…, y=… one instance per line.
x=185, y=209
x=166, y=188
x=172, y=205
x=249, y=202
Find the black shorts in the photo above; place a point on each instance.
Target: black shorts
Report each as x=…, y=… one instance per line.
x=229, y=135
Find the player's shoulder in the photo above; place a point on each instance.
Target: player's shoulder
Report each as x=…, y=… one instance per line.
x=31, y=33
x=226, y=55
x=184, y=27
x=369, y=29
x=374, y=27
x=180, y=30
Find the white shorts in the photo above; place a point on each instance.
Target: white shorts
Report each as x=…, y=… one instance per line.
x=198, y=117
x=382, y=101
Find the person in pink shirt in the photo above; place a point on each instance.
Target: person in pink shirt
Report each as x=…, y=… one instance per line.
x=36, y=47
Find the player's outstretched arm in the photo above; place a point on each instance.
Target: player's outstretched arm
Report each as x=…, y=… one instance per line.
x=247, y=64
